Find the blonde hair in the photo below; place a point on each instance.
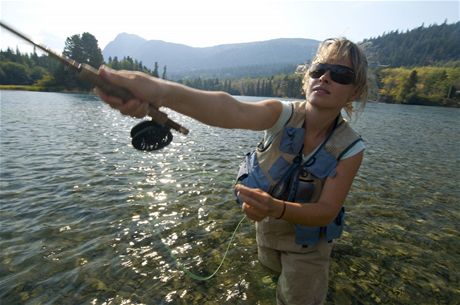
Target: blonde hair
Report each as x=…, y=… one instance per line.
x=339, y=48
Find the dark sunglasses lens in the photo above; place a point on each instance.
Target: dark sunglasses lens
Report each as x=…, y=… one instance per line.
x=342, y=76
x=317, y=72
x=339, y=74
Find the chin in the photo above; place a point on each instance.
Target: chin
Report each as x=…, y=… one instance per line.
x=315, y=101
x=322, y=103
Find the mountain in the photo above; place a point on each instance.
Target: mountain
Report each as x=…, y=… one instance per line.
x=254, y=58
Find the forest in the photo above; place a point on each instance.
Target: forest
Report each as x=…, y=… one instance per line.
x=419, y=66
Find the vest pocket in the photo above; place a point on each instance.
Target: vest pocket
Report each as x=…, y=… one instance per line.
x=279, y=169
x=307, y=236
x=243, y=171
x=322, y=164
x=292, y=140
x=250, y=174
x=305, y=189
x=335, y=228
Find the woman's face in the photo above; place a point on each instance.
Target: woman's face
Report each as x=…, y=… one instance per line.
x=324, y=92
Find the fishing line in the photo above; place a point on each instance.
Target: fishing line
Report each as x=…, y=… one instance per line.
x=184, y=269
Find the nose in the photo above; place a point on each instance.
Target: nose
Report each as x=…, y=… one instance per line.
x=326, y=77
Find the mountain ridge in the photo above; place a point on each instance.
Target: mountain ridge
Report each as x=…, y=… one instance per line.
x=182, y=60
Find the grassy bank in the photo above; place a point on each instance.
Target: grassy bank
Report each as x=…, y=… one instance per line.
x=23, y=87
x=40, y=88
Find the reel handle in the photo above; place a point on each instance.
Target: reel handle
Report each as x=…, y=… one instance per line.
x=91, y=75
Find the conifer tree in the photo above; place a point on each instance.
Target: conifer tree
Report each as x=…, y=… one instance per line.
x=163, y=76
x=155, y=70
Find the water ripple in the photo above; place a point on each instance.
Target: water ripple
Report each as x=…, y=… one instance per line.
x=85, y=219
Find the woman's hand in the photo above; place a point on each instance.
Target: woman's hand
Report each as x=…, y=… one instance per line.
x=147, y=91
x=258, y=204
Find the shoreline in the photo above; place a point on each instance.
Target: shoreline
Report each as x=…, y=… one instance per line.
x=38, y=89
x=34, y=88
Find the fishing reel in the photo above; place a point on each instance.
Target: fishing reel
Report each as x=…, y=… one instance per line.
x=156, y=133
x=150, y=136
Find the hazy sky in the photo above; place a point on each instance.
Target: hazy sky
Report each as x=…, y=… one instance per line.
x=202, y=23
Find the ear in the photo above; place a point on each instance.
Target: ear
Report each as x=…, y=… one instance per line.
x=356, y=93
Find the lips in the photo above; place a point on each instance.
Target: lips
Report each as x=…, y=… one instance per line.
x=320, y=89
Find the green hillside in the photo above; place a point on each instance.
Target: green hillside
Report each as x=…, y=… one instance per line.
x=422, y=46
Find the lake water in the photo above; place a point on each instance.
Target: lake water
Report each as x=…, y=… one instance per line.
x=86, y=219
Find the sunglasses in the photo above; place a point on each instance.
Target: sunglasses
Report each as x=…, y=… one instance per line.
x=339, y=74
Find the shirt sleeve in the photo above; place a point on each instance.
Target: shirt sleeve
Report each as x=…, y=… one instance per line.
x=355, y=149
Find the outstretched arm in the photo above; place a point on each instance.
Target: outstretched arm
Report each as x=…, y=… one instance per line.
x=212, y=108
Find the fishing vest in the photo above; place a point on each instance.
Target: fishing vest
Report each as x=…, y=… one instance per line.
x=278, y=169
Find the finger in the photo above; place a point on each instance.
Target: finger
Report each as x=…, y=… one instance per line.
x=112, y=76
x=254, y=197
x=252, y=213
x=261, y=207
x=113, y=101
x=141, y=111
x=133, y=107
x=249, y=191
x=130, y=107
x=138, y=83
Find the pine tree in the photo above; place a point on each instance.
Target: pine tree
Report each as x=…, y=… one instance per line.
x=408, y=92
x=155, y=70
x=83, y=49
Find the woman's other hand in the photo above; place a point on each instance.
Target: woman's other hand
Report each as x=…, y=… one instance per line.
x=258, y=204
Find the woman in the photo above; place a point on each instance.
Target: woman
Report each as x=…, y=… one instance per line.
x=294, y=184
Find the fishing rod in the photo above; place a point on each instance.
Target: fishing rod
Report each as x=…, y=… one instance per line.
x=147, y=135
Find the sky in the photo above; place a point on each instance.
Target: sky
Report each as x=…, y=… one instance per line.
x=203, y=23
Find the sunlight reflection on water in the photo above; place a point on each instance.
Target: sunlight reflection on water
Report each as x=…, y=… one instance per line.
x=85, y=218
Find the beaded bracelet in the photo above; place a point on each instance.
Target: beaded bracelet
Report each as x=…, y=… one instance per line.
x=284, y=210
